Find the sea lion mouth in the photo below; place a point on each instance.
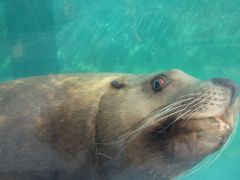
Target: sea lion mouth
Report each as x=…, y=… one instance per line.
x=169, y=124
x=211, y=127
x=193, y=137
x=218, y=105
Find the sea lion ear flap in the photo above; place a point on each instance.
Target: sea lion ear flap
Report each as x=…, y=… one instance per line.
x=118, y=84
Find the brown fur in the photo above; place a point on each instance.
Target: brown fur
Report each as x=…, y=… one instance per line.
x=75, y=127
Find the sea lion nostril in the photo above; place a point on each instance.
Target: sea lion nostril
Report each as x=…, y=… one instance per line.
x=223, y=82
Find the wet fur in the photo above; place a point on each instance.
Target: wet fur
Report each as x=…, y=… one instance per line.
x=81, y=127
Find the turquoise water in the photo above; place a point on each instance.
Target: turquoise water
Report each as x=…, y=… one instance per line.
x=137, y=36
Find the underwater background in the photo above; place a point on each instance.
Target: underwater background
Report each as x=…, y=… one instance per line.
x=200, y=37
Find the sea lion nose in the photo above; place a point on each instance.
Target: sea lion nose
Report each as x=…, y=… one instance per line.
x=228, y=84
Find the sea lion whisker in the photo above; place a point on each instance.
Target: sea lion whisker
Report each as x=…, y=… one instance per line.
x=162, y=109
x=138, y=131
x=193, y=112
x=160, y=116
x=196, y=112
x=140, y=128
x=178, y=117
x=158, y=119
x=104, y=155
x=160, y=113
x=191, y=94
x=157, y=114
x=197, y=99
x=189, y=110
x=185, y=98
x=204, y=101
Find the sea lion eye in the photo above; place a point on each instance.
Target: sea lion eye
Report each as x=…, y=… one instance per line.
x=158, y=84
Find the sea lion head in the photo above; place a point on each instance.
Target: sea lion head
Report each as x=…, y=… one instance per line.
x=162, y=124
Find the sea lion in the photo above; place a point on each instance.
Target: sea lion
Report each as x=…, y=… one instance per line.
x=112, y=126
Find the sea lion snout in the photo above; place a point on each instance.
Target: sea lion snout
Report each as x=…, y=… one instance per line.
x=227, y=83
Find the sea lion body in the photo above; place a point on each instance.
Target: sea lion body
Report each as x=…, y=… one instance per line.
x=31, y=143
x=98, y=126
